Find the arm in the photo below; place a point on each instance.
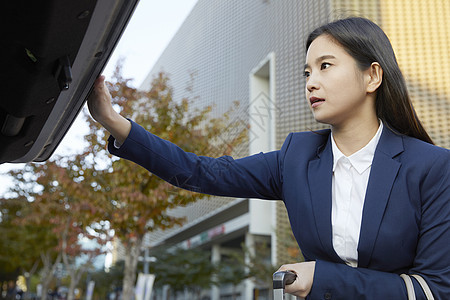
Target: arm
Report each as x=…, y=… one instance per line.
x=256, y=176
x=344, y=282
x=432, y=259
x=327, y=280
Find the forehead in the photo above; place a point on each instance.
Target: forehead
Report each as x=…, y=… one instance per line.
x=325, y=46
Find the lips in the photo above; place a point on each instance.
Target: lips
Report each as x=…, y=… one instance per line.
x=315, y=101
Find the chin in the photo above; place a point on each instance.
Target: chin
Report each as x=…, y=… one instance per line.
x=322, y=119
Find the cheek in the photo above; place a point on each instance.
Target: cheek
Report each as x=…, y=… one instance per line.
x=346, y=86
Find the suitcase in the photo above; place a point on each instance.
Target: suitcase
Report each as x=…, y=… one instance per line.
x=280, y=280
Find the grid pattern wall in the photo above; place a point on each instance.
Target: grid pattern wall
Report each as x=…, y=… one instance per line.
x=283, y=226
x=295, y=21
x=420, y=35
x=218, y=44
x=362, y=8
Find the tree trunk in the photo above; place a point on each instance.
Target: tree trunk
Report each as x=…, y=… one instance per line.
x=48, y=273
x=71, y=291
x=131, y=259
x=75, y=277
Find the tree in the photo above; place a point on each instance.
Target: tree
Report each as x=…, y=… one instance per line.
x=54, y=216
x=134, y=201
x=16, y=255
x=232, y=270
x=184, y=270
x=259, y=263
x=25, y=247
x=65, y=203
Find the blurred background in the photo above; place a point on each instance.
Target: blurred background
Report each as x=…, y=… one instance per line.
x=216, y=54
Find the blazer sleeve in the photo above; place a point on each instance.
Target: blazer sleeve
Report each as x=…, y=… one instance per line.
x=256, y=176
x=432, y=260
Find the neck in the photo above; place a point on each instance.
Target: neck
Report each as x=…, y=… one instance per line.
x=350, y=138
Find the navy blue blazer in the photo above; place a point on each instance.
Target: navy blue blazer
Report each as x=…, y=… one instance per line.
x=406, y=214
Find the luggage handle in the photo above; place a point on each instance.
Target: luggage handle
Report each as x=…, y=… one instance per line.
x=280, y=280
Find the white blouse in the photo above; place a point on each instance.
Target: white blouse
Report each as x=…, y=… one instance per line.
x=349, y=184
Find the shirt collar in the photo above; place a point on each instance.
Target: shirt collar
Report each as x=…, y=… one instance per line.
x=362, y=159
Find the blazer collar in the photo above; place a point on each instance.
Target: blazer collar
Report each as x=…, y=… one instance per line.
x=383, y=172
x=320, y=172
x=382, y=175
x=391, y=143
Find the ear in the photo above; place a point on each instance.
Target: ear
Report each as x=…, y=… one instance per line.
x=374, y=77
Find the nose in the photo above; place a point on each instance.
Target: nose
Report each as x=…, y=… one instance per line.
x=312, y=83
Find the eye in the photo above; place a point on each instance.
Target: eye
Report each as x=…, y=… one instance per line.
x=325, y=65
x=306, y=74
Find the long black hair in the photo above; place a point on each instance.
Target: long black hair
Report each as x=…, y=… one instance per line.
x=367, y=43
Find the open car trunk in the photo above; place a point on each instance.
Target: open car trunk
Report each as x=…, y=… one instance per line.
x=51, y=53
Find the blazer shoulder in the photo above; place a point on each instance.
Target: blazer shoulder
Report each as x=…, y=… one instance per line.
x=423, y=150
x=409, y=148
x=422, y=160
x=318, y=136
x=308, y=141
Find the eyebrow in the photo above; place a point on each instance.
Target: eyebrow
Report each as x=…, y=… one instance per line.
x=321, y=58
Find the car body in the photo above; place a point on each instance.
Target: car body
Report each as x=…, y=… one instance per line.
x=51, y=53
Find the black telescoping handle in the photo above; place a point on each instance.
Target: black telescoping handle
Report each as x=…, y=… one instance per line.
x=280, y=280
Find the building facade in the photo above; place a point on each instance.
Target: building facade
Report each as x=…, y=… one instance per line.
x=253, y=52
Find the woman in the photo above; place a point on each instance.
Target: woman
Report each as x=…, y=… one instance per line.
x=367, y=200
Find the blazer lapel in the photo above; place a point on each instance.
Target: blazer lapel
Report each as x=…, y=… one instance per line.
x=382, y=175
x=320, y=172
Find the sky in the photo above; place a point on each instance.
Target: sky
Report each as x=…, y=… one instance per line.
x=150, y=29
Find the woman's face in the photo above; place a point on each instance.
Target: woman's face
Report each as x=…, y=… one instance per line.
x=336, y=90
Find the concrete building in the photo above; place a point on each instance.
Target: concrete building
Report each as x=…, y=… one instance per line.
x=253, y=52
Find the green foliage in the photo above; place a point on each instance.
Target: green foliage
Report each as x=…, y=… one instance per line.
x=192, y=268
x=21, y=243
x=231, y=269
x=46, y=218
x=258, y=264
x=180, y=268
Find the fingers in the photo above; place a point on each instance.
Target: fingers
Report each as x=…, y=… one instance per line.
x=99, y=81
x=290, y=268
x=304, y=280
x=99, y=102
x=287, y=267
x=100, y=86
x=100, y=90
